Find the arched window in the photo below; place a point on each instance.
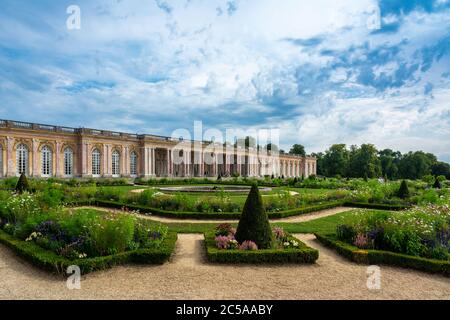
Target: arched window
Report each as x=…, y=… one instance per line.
x=96, y=158
x=115, y=163
x=133, y=163
x=68, y=162
x=46, y=157
x=22, y=159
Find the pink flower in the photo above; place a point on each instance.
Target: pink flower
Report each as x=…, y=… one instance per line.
x=222, y=242
x=362, y=241
x=248, y=245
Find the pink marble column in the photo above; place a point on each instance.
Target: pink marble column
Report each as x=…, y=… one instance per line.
x=57, y=160
x=34, y=157
x=10, y=170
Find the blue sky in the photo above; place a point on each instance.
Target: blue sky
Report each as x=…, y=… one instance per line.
x=318, y=70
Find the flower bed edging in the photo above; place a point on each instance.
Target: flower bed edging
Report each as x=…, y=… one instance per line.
x=302, y=254
x=214, y=215
x=384, y=257
x=50, y=261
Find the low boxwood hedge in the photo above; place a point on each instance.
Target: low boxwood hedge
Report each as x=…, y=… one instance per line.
x=54, y=263
x=213, y=215
x=379, y=206
x=302, y=254
x=384, y=257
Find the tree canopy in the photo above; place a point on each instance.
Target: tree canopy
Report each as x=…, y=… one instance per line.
x=366, y=160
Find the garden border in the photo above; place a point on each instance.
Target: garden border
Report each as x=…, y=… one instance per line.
x=303, y=254
x=384, y=257
x=213, y=215
x=50, y=261
x=377, y=206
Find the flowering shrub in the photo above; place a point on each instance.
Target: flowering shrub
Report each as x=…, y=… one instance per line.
x=362, y=241
x=291, y=244
x=421, y=231
x=279, y=233
x=225, y=229
x=222, y=242
x=248, y=245
x=19, y=207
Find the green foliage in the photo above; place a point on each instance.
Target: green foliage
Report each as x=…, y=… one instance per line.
x=403, y=191
x=254, y=223
x=22, y=184
x=52, y=262
x=437, y=184
x=376, y=257
x=420, y=231
x=298, y=149
x=301, y=254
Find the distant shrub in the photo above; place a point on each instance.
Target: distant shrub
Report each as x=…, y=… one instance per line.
x=22, y=184
x=403, y=191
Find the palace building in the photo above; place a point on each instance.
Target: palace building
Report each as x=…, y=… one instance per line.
x=53, y=151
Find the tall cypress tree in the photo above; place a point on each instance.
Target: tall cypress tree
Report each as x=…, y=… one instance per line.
x=22, y=185
x=437, y=184
x=403, y=191
x=254, y=223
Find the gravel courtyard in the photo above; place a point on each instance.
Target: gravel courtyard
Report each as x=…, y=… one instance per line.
x=188, y=276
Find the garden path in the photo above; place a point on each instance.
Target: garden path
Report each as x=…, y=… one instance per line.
x=188, y=276
x=299, y=218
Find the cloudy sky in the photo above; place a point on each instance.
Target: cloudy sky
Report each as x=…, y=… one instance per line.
x=322, y=72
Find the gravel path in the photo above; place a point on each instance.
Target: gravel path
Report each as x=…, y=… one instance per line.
x=188, y=276
x=299, y=218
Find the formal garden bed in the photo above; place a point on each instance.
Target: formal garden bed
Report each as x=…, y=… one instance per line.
x=38, y=228
x=38, y=224
x=254, y=241
x=417, y=238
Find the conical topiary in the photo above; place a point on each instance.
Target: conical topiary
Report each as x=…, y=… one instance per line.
x=254, y=223
x=22, y=185
x=403, y=191
x=437, y=184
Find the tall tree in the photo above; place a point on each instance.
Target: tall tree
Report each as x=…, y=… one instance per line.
x=364, y=162
x=335, y=160
x=389, y=162
x=414, y=165
x=298, y=149
x=441, y=169
x=320, y=163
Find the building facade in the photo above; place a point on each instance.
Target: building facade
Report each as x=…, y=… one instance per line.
x=52, y=151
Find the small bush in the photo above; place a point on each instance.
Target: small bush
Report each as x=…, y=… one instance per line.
x=22, y=184
x=437, y=184
x=403, y=191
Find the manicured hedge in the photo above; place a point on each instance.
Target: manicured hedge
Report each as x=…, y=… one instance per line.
x=379, y=206
x=50, y=261
x=213, y=215
x=303, y=254
x=384, y=257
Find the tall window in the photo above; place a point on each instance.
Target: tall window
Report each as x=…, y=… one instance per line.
x=133, y=163
x=115, y=163
x=46, y=155
x=68, y=162
x=96, y=162
x=22, y=159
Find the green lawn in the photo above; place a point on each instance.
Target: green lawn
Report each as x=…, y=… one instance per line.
x=321, y=225
x=236, y=198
